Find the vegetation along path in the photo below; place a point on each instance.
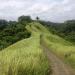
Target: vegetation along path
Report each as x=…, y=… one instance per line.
x=58, y=67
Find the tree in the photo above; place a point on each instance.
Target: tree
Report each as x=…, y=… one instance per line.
x=12, y=31
x=3, y=24
x=37, y=18
x=24, y=19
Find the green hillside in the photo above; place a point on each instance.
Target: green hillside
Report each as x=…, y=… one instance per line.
x=62, y=48
x=27, y=58
x=24, y=57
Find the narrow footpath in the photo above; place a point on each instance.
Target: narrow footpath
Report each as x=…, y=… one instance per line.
x=58, y=66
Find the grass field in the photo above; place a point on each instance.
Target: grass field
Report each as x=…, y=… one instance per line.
x=62, y=48
x=27, y=58
x=24, y=57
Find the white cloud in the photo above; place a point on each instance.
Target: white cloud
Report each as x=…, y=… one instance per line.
x=54, y=10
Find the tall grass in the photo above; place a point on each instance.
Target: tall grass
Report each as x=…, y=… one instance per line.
x=24, y=57
x=62, y=48
x=27, y=58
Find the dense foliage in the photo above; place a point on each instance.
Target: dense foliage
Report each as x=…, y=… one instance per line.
x=24, y=19
x=12, y=31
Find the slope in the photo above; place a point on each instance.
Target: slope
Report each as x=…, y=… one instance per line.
x=25, y=57
x=50, y=42
x=60, y=47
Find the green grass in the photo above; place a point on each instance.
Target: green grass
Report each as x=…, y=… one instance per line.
x=62, y=48
x=24, y=57
x=27, y=58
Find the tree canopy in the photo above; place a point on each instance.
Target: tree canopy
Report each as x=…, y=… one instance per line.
x=13, y=31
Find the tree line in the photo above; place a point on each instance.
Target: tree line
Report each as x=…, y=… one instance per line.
x=13, y=31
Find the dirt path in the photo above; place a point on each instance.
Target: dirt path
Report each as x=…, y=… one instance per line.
x=58, y=67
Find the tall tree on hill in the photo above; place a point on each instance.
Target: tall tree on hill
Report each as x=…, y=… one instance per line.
x=24, y=19
x=37, y=18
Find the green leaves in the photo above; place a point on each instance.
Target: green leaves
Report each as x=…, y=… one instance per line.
x=13, y=31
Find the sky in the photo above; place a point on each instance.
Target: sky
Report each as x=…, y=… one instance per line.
x=50, y=10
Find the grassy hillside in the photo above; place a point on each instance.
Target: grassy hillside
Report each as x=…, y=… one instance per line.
x=62, y=48
x=24, y=57
x=27, y=58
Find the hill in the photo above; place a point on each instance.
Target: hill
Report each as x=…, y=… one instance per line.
x=26, y=57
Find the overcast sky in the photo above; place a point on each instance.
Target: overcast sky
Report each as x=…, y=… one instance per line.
x=52, y=10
